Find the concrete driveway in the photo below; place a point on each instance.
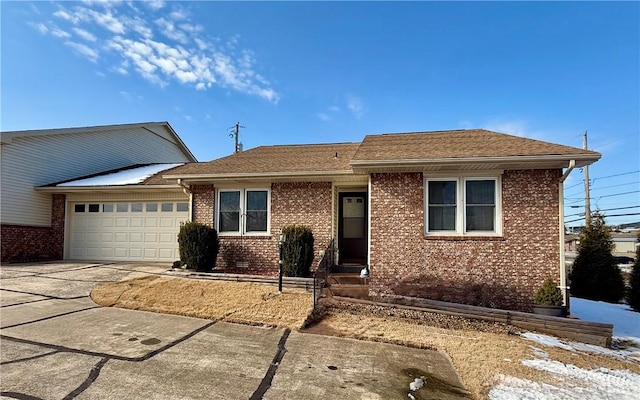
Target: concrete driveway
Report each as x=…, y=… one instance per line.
x=57, y=344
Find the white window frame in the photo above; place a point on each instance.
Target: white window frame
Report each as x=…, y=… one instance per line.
x=242, y=231
x=461, y=205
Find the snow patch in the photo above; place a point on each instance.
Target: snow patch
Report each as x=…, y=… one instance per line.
x=625, y=322
x=546, y=340
x=130, y=176
x=573, y=383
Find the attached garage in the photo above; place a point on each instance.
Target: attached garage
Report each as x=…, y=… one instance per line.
x=125, y=230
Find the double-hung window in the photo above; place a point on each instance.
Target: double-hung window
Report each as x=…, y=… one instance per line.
x=243, y=211
x=462, y=206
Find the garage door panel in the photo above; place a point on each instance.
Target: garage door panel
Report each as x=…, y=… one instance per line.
x=133, y=233
x=120, y=252
x=151, y=253
x=135, y=253
x=136, y=222
x=151, y=222
x=107, y=252
x=93, y=252
x=168, y=254
x=166, y=223
x=168, y=238
x=79, y=222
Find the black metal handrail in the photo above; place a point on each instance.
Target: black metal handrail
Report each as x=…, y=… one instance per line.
x=321, y=274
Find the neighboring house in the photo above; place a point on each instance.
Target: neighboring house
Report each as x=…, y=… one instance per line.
x=86, y=219
x=624, y=242
x=469, y=216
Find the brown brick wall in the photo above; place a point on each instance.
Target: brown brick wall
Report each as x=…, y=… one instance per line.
x=303, y=203
x=31, y=243
x=502, y=273
x=203, y=204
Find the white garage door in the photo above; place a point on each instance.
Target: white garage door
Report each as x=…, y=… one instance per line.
x=128, y=231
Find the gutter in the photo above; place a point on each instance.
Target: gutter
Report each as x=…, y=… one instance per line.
x=563, y=266
x=585, y=157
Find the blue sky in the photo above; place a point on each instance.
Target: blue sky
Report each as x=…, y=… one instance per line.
x=333, y=72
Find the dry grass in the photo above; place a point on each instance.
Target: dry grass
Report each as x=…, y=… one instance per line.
x=479, y=357
x=246, y=303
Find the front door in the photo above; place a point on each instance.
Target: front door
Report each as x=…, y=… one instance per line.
x=352, y=228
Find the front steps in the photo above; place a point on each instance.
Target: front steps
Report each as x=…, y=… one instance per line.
x=348, y=284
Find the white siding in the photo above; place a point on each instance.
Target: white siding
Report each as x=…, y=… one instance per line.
x=43, y=159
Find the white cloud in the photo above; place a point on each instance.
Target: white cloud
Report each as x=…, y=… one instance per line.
x=155, y=4
x=161, y=46
x=84, y=50
x=65, y=15
x=356, y=106
x=59, y=33
x=323, y=117
x=90, y=37
x=169, y=30
x=334, y=109
x=42, y=28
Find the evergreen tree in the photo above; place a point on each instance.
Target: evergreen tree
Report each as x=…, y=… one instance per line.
x=595, y=274
x=634, y=291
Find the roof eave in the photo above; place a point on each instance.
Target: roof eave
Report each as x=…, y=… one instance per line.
x=299, y=175
x=537, y=161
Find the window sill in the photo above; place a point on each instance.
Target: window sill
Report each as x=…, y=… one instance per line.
x=465, y=238
x=246, y=235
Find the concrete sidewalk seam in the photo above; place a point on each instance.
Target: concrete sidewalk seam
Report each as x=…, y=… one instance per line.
x=49, y=317
x=30, y=358
x=265, y=384
x=93, y=375
x=147, y=356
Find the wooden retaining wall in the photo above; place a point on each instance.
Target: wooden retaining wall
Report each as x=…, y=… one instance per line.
x=582, y=331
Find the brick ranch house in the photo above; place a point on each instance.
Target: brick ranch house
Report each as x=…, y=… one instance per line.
x=468, y=216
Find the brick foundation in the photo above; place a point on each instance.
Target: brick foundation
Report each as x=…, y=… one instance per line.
x=36, y=243
x=495, y=272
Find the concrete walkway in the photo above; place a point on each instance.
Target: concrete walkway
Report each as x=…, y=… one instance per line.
x=57, y=344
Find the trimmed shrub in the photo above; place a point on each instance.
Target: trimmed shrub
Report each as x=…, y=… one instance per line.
x=595, y=274
x=297, y=250
x=633, y=297
x=198, y=244
x=549, y=294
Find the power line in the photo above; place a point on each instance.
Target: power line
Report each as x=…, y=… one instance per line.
x=577, y=199
x=606, y=209
x=606, y=216
x=603, y=177
x=604, y=187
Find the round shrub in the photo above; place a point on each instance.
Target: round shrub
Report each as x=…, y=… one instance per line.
x=198, y=244
x=297, y=250
x=549, y=294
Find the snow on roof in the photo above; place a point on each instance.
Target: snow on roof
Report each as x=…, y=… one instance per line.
x=130, y=176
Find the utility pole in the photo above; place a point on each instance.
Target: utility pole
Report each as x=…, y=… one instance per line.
x=587, y=195
x=236, y=134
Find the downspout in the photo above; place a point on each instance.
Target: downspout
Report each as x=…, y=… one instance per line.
x=187, y=190
x=563, y=267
